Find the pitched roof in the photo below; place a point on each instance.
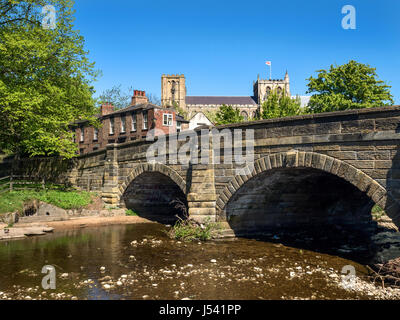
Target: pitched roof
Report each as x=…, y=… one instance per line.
x=219, y=100
x=144, y=106
x=181, y=119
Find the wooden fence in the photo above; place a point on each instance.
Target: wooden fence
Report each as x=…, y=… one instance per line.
x=15, y=182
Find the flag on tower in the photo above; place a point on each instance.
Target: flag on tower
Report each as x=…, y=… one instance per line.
x=268, y=63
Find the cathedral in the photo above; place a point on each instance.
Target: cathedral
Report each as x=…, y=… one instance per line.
x=173, y=93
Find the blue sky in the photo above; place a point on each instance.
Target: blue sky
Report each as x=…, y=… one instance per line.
x=221, y=46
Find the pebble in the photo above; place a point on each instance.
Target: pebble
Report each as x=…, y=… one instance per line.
x=213, y=261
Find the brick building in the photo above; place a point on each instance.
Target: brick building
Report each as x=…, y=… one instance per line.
x=128, y=124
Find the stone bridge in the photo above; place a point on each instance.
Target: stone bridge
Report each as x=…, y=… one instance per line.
x=322, y=169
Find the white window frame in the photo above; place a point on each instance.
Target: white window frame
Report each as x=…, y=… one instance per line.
x=95, y=134
x=145, y=120
x=123, y=124
x=167, y=119
x=82, y=136
x=134, y=122
x=112, y=126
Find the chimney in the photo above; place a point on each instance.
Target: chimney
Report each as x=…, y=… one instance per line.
x=106, y=108
x=139, y=97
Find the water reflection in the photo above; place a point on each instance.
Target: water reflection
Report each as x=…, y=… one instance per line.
x=140, y=262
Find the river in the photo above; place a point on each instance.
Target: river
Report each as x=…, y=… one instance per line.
x=140, y=262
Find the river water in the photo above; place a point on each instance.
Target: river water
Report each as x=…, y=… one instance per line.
x=140, y=262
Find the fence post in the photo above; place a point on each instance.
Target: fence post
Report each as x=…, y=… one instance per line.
x=43, y=184
x=11, y=181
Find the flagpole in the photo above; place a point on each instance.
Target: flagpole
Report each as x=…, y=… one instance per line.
x=270, y=71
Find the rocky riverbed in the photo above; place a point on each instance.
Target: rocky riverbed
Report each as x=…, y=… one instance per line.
x=141, y=262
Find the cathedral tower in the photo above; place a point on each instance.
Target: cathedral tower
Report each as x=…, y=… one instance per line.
x=173, y=91
x=262, y=87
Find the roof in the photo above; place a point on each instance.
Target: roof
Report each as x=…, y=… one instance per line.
x=219, y=100
x=181, y=119
x=144, y=106
x=202, y=114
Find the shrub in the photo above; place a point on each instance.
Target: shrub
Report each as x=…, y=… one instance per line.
x=130, y=212
x=190, y=230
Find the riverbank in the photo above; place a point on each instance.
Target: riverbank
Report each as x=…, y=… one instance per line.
x=74, y=223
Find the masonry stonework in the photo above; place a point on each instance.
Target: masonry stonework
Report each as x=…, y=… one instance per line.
x=310, y=169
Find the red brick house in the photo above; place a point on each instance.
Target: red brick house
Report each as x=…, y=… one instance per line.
x=128, y=124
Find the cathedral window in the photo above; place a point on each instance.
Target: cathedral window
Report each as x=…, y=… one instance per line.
x=244, y=115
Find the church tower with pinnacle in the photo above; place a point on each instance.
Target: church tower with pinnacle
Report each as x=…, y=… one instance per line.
x=173, y=91
x=263, y=87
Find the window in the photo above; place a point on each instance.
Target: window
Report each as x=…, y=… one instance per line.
x=133, y=121
x=82, y=134
x=167, y=119
x=111, y=125
x=144, y=120
x=178, y=126
x=123, y=124
x=95, y=134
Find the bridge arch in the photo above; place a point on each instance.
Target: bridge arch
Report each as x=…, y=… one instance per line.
x=320, y=162
x=153, y=167
x=154, y=191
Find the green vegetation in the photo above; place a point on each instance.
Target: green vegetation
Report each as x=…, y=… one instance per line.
x=130, y=212
x=228, y=114
x=189, y=230
x=377, y=212
x=45, y=79
x=350, y=86
x=279, y=105
x=13, y=201
x=116, y=97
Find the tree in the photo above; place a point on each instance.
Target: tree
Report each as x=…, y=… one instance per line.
x=228, y=114
x=350, y=86
x=154, y=99
x=45, y=79
x=279, y=105
x=116, y=97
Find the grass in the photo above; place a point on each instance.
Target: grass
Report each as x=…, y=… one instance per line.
x=65, y=199
x=130, y=212
x=189, y=230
